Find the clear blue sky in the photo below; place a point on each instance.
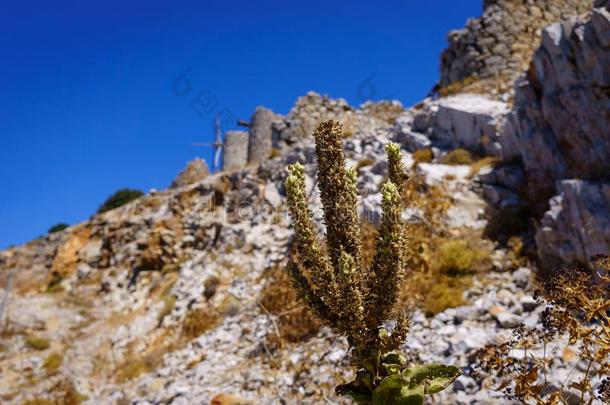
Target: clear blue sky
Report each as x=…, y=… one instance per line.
x=86, y=98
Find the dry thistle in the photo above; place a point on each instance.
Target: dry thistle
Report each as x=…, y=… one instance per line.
x=578, y=306
x=350, y=298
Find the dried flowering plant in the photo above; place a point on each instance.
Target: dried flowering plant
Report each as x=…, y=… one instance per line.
x=577, y=306
x=351, y=298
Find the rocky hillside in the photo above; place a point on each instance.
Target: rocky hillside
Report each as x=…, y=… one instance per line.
x=179, y=296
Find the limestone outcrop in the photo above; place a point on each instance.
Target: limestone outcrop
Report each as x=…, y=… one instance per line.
x=559, y=130
x=472, y=122
x=577, y=224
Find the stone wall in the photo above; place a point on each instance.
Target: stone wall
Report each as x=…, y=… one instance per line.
x=498, y=45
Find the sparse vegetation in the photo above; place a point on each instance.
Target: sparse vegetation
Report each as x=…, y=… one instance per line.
x=444, y=292
x=135, y=365
x=451, y=265
x=487, y=161
x=458, y=156
x=54, y=284
x=67, y=394
x=437, y=280
x=455, y=257
x=295, y=321
x=119, y=198
x=52, y=362
x=345, y=295
x=363, y=163
x=169, y=301
x=210, y=286
x=199, y=321
x=384, y=110
x=37, y=343
x=39, y=401
x=58, y=227
x=423, y=155
x=457, y=87
x=578, y=306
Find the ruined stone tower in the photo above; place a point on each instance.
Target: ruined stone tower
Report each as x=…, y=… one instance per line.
x=492, y=50
x=260, y=144
x=235, y=153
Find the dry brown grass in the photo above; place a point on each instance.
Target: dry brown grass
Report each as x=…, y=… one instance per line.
x=423, y=155
x=459, y=156
x=62, y=393
x=136, y=364
x=169, y=301
x=441, y=264
x=476, y=167
x=458, y=87
x=363, y=163
x=37, y=343
x=577, y=307
x=385, y=111
x=198, y=321
x=294, y=321
x=52, y=362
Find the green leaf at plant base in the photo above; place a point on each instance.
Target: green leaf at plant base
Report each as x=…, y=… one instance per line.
x=433, y=377
x=392, y=363
x=359, y=393
x=395, y=390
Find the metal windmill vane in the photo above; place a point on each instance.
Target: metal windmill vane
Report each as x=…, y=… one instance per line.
x=216, y=145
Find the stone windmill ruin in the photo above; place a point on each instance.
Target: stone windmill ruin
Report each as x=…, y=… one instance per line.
x=241, y=148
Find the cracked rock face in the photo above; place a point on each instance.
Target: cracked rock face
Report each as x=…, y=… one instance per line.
x=560, y=130
x=577, y=225
x=472, y=122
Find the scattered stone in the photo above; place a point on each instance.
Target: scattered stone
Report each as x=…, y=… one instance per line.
x=195, y=171
x=508, y=320
x=528, y=303
x=522, y=277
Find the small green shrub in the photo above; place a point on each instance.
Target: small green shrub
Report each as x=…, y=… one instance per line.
x=458, y=156
x=456, y=258
x=445, y=292
x=37, y=343
x=58, y=227
x=119, y=198
x=52, y=363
